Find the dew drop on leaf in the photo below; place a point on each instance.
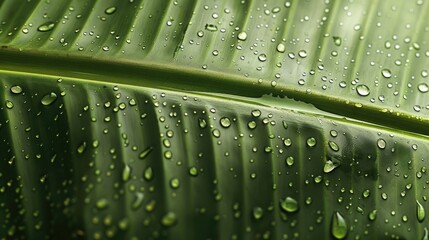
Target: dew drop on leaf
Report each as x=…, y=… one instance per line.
x=216, y=133
x=262, y=57
x=338, y=226
x=381, y=143
x=421, y=214
x=289, y=205
x=386, y=73
x=290, y=161
x=145, y=153
x=211, y=27
x=102, y=203
x=362, y=90
x=16, y=89
x=138, y=201
x=334, y=147
x=366, y=193
x=81, y=148
x=242, y=36
x=169, y=219
x=193, y=171
x=126, y=173
x=202, y=123
x=302, y=54
x=148, y=174
x=110, y=10
x=423, y=87
x=251, y=125
x=329, y=166
x=174, y=183
x=337, y=40
x=48, y=99
x=311, y=142
x=225, y=122
x=281, y=48
x=372, y=215
x=9, y=104
x=46, y=27
x=256, y=113
x=258, y=213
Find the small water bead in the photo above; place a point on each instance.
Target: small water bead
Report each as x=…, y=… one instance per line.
x=102, y=203
x=262, y=57
x=48, y=99
x=337, y=40
x=242, y=36
x=381, y=143
x=290, y=161
x=126, y=173
x=174, y=183
x=362, y=90
x=200, y=33
x=169, y=219
x=421, y=214
x=281, y=48
x=225, y=122
x=338, y=226
x=287, y=142
x=289, y=205
x=216, y=133
x=148, y=174
x=193, y=171
x=81, y=148
x=211, y=27
x=311, y=142
x=329, y=166
x=145, y=153
x=202, y=123
x=110, y=10
x=256, y=113
x=423, y=87
x=366, y=193
x=334, y=147
x=138, y=200
x=16, y=89
x=251, y=125
x=302, y=53
x=46, y=27
x=425, y=73
x=386, y=73
x=9, y=104
x=258, y=213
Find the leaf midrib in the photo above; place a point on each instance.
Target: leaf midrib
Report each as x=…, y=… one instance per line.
x=177, y=77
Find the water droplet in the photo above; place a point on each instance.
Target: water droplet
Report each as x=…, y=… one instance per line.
x=362, y=90
x=242, y=36
x=256, y=113
x=48, y=99
x=287, y=142
x=200, y=33
x=216, y=133
x=290, y=161
x=9, y=104
x=202, y=122
x=110, y=10
x=386, y=73
x=372, y=215
x=423, y=87
x=338, y=226
x=311, y=142
x=337, y=40
x=148, y=174
x=334, y=147
x=102, y=203
x=262, y=57
x=225, y=122
x=211, y=27
x=421, y=214
x=281, y=48
x=46, y=27
x=289, y=205
x=251, y=125
x=425, y=234
x=381, y=143
x=425, y=73
x=366, y=193
x=81, y=148
x=329, y=166
x=138, y=200
x=126, y=173
x=16, y=89
x=145, y=153
x=193, y=171
x=258, y=213
x=169, y=219
x=174, y=183
x=302, y=53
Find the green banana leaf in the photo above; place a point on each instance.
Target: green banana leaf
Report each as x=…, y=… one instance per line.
x=220, y=119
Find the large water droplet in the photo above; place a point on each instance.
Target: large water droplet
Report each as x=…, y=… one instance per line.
x=242, y=36
x=329, y=166
x=81, y=148
x=281, y=48
x=16, y=89
x=148, y=174
x=372, y=215
x=290, y=161
x=386, y=73
x=311, y=142
x=302, y=54
x=211, y=27
x=421, y=214
x=174, y=183
x=102, y=203
x=110, y=10
x=381, y=143
x=225, y=122
x=362, y=90
x=169, y=219
x=126, y=173
x=262, y=57
x=46, y=27
x=145, y=153
x=202, y=122
x=9, y=104
x=338, y=226
x=258, y=213
x=334, y=147
x=256, y=113
x=423, y=87
x=337, y=40
x=289, y=205
x=425, y=234
x=48, y=99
